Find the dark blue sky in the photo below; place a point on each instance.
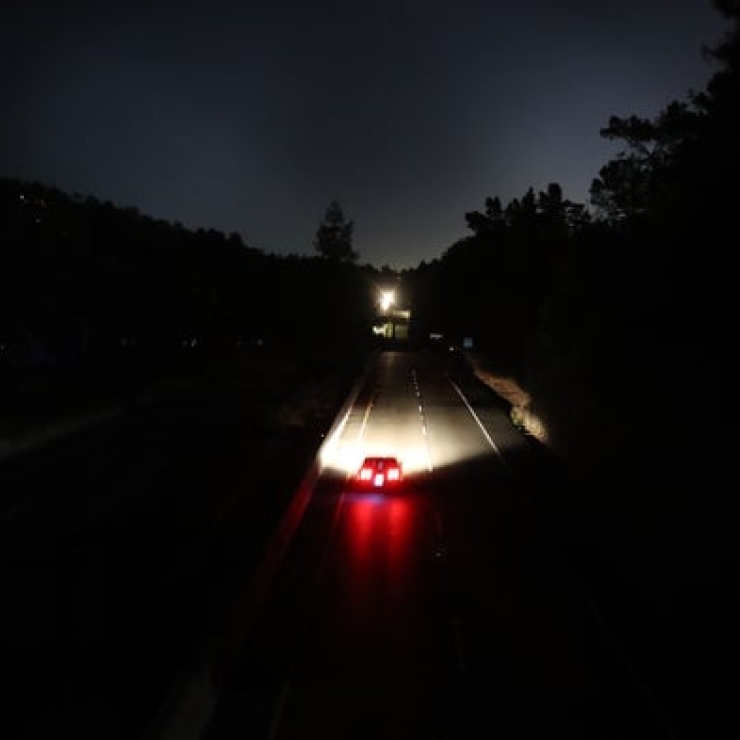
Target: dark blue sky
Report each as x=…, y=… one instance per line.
x=251, y=117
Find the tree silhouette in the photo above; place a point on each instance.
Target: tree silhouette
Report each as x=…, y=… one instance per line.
x=334, y=236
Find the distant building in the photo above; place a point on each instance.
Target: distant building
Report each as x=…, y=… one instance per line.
x=393, y=323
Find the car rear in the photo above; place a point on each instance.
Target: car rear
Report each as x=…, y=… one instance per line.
x=379, y=473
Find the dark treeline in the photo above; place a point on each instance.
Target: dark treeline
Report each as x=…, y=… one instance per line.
x=98, y=299
x=616, y=318
x=617, y=309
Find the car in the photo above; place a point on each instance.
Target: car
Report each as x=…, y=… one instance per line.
x=379, y=473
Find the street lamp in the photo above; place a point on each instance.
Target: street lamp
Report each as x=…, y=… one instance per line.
x=387, y=299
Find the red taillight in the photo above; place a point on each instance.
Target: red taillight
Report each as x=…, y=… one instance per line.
x=379, y=473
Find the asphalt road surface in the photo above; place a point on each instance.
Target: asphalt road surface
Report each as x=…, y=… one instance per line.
x=442, y=610
x=192, y=537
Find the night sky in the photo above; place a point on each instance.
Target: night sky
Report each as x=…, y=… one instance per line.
x=251, y=117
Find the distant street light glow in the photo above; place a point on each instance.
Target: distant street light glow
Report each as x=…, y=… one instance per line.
x=387, y=298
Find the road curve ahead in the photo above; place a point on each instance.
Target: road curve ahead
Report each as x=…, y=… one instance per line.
x=442, y=610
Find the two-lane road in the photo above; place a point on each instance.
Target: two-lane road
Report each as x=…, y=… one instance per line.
x=440, y=611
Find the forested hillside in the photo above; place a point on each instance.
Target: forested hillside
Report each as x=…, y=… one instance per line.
x=97, y=301
x=615, y=318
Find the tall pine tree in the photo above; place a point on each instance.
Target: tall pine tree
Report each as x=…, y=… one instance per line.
x=334, y=236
